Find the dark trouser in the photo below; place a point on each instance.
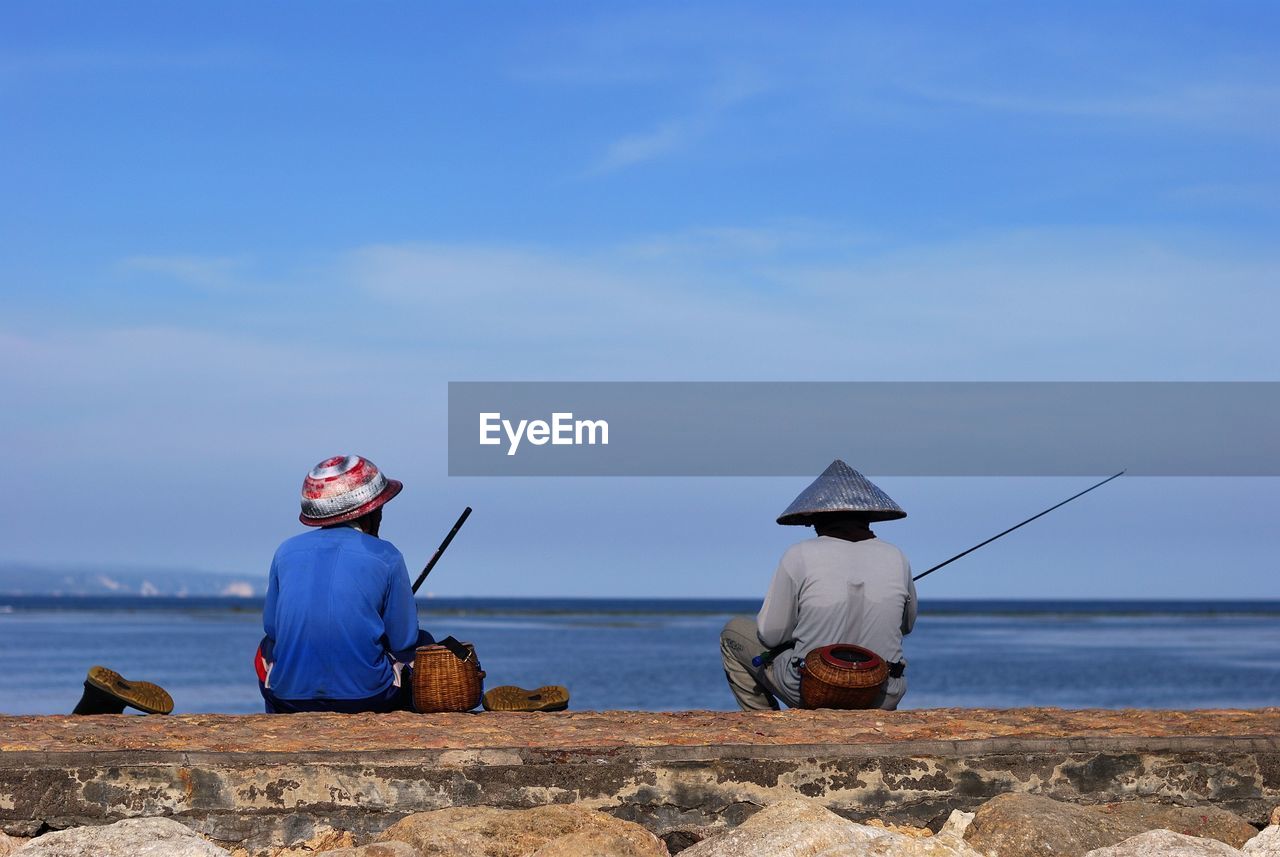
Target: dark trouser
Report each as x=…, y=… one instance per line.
x=392, y=699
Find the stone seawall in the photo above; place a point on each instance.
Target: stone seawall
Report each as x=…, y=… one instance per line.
x=262, y=781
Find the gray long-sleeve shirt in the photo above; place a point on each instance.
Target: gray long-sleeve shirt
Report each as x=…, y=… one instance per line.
x=828, y=590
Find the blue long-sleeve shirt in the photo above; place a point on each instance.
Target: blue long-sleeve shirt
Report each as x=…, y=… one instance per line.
x=338, y=601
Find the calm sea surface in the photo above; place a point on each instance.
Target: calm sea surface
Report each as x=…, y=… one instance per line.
x=663, y=655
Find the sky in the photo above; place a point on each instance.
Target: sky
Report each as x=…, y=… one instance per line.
x=239, y=238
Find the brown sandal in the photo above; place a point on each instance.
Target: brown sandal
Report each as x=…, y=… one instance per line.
x=551, y=697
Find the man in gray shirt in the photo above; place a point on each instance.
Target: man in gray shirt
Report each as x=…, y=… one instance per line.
x=845, y=586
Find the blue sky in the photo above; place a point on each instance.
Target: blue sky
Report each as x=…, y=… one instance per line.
x=239, y=238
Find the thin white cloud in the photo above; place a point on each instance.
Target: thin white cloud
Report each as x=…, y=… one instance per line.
x=668, y=137
x=792, y=301
x=755, y=304
x=397, y=321
x=857, y=68
x=21, y=66
x=728, y=88
x=1254, y=195
x=202, y=272
x=724, y=244
x=203, y=431
x=1224, y=106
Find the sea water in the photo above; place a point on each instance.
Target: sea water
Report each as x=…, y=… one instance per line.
x=664, y=655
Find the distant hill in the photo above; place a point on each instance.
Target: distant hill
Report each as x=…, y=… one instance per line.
x=34, y=579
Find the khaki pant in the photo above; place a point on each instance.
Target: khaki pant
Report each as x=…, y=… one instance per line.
x=753, y=687
x=739, y=643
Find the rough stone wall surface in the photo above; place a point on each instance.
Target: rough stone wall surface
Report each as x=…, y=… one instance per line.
x=569, y=730
x=260, y=781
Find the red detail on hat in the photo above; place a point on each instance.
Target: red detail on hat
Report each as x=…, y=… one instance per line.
x=343, y=488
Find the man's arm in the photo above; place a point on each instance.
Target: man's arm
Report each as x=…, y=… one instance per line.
x=269, y=605
x=909, y=609
x=400, y=615
x=776, y=622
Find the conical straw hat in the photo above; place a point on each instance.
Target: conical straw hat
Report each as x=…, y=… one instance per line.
x=840, y=488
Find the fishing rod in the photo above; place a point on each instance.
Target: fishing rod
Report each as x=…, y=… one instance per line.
x=766, y=658
x=435, y=557
x=1015, y=526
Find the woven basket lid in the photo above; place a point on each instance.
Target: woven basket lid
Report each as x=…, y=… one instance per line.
x=846, y=657
x=840, y=488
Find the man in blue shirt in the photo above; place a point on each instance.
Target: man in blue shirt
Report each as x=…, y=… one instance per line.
x=340, y=620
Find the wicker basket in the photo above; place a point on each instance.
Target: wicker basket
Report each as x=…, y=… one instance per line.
x=842, y=676
x=444, y=682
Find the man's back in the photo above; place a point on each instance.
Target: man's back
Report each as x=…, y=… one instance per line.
x=338, y=600
x=830, y=590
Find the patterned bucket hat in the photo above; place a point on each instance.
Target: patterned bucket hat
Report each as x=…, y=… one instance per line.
x=840, y=488
x=344, y=488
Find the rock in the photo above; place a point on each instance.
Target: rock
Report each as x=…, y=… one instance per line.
x=133, y=837
x=905, y=830
x=801, y=828
x=957, y=823
x=594, y=843
x=377, y=849
x=9, y=844
x=896, y=845
x=1022, y=825
x=469, y=831
x=1275, y=817
x=323, y=840
x=1265, y=843
x=789, y=828
x=949, y=842
x=1165, y=843
x=326, y=840
x=1208, y=822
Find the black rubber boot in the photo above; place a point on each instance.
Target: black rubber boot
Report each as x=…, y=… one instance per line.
x=108, y=692
x=98, y=701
